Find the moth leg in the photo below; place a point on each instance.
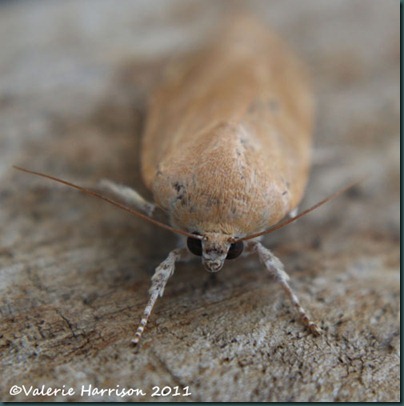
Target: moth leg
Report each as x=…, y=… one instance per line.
x=128, y=195
x=276, y=269
x=159, y=281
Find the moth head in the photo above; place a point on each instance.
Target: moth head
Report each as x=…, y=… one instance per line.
x=215, y=248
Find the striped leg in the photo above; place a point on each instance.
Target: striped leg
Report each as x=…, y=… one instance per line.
x=159, y=281
x=275, y=267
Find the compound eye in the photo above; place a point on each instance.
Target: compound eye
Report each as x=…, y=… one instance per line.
x=195, y=246
x=235, y=250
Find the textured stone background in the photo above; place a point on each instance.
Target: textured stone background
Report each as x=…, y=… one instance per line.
x=74, y=272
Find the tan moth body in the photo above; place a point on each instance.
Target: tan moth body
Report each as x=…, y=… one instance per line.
x=225, y=153
x=227, y=140
x=226, y=149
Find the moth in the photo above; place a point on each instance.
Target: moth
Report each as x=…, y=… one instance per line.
x=225, y=153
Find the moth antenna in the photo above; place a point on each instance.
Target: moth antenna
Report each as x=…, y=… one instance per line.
x=110, y=201
x=303, y=213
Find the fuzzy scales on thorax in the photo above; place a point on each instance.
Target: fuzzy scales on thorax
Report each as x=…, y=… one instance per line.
x=227, y=140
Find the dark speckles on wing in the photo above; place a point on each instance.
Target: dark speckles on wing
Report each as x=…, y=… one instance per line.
x=181, y=192
x=178, y=187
